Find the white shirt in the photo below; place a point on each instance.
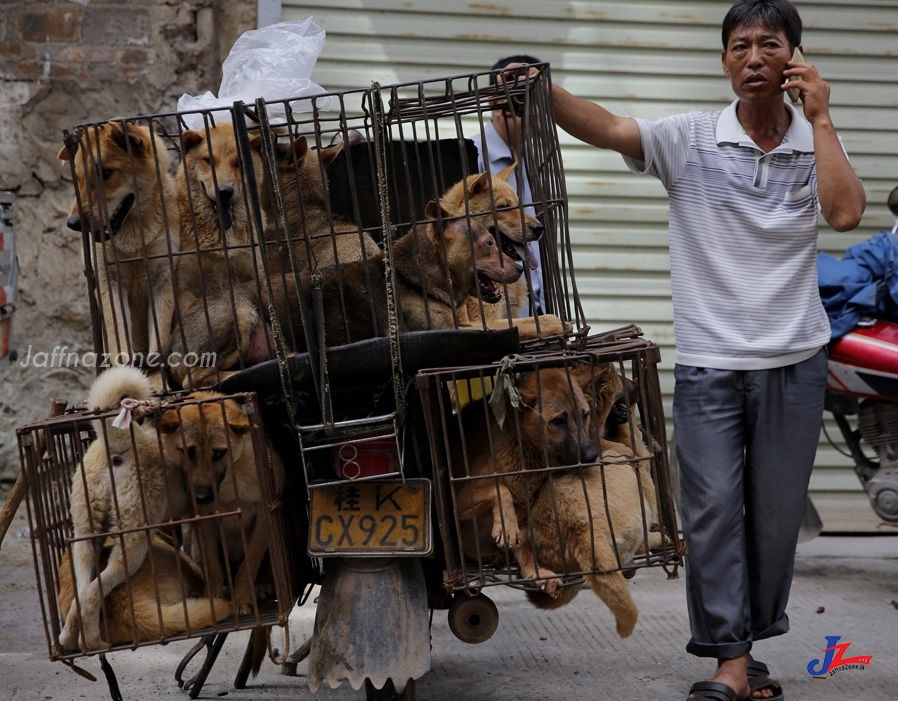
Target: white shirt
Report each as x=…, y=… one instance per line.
x=500, y=158
x=743, y=239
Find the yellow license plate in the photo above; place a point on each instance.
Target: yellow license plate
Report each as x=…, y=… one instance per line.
x=364, y=518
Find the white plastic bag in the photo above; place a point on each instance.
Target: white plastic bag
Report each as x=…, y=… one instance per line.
x=273, y=62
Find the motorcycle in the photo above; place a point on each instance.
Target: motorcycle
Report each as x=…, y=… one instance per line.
x=376, y=509
x=862, y=398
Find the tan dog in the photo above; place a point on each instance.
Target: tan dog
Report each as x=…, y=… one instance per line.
x=499, y=470
x=212, y=436
x=126, y=485
x=316, y=236
x=213, y=202
x=494, y=203
x=597, y=520
x=437, y=266
x=164, y=597
x=218, y=245
x=126, y=194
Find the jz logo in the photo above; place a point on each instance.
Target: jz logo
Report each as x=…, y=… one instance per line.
x=833, y=659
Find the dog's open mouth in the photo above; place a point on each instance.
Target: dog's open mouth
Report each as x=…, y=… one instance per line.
x=517, y=251
x=117, y=220
x=489, y=290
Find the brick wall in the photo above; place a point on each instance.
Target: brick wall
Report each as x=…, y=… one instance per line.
x=63, y=63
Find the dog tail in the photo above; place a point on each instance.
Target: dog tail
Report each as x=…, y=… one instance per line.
x=118, y=383
x=260, y=637
x=612, y=589
x=191, y=614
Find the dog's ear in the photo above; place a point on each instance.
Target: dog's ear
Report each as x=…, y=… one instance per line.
x=505, y=173
x=237, y=419
x=582, y=376
x=435, y=210
x=168, y=423
x=129, y=137
x=190, y=139
x=480, y=184
x=328, y=154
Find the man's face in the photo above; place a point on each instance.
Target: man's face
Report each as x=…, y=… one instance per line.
x=754, y=61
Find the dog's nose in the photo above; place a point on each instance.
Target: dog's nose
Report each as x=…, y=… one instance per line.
x=225, y=194
x=589, y=453
x=204, y=495
x=536, y=231
x=74, y=222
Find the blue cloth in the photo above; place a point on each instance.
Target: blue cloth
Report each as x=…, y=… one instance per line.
x=864, y=283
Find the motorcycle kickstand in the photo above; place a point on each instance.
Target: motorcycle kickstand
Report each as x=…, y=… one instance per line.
x=195, y=684
x=288, y=666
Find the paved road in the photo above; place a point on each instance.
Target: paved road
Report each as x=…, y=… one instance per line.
x=843, y=587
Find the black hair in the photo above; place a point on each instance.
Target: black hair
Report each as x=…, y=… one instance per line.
x=778, y=15
x=502, y=62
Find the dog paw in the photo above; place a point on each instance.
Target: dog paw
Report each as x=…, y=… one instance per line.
x=244, y=606
x=68, y=637
x=507, y=537
x=550, y=585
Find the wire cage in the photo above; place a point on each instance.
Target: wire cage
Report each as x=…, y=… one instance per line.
x=217, y=240
x=133, y=545
x=552, y=467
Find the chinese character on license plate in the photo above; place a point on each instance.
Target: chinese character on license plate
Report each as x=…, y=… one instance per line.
x=363, y=518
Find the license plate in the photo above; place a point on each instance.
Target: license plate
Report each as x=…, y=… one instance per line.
x=364, y=518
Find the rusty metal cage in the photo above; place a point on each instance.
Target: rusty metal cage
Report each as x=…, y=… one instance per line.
x=501, y=467
x=118, y=498
x=211, y=237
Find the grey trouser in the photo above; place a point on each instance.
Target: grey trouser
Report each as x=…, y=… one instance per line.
x=746, y=442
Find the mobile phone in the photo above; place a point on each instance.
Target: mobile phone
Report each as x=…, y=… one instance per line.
x=795, y=93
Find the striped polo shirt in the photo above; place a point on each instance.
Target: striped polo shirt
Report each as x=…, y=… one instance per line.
x=743, y=240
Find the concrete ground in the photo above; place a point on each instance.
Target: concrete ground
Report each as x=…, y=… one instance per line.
x=844, y=586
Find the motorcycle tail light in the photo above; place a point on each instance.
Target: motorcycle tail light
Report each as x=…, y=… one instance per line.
x=366, y=457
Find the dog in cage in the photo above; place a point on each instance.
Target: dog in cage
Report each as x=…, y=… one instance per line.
x=163, y=598
x=217, y=311
x=211, y=437
x=125, y=195
x=598, y=519
x=216, y=233
x=316, y=236
x=494, y=203
x=125, y=484
x=438, y=264
x=498, y=468
x=218, y=246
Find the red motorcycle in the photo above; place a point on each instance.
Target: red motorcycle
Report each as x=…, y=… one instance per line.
x=862, y=396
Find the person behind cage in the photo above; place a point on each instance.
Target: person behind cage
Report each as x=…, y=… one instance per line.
x=745, y=185
x=501, y=141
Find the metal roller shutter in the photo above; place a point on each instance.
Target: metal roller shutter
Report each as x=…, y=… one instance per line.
x=647, y=58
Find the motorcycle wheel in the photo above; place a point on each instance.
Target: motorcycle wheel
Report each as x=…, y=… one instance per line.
x=389, y=693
